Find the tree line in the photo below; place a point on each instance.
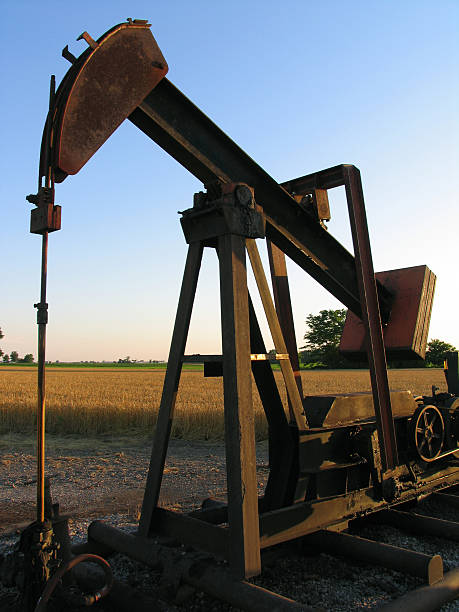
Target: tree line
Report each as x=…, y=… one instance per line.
x=13, y=357
x=323, y=334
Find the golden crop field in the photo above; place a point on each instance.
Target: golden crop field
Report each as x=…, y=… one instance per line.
x=91, y=402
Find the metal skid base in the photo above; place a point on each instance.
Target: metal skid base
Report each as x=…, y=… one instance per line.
x=208, y=572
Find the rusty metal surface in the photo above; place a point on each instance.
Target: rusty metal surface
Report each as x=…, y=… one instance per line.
x=277, y=336
x=304, y=518
x=427, y=567
x=345, y=408
x=428, y=432
x=281, y=292
x=101, y=89
x=405, y=335
x=371, y=317
x=243, y=517
x=228, y=209
x=45, y=219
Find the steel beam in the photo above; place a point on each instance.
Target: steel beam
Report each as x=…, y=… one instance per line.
x=427, y=598
x=170, y=387
x=198, y=572
x=244, y=545
x=190, y=531
x=190, y=137
x=419, y=524
x=296, y=400
x=427, y=567
x=283, y=303
x=371, y=318
x=305, y=518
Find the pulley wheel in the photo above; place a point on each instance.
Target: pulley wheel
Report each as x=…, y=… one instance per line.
x=428, y=432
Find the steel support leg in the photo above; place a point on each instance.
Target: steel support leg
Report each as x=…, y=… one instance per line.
x=171, y=383
x=371, y=318
x=239, y=422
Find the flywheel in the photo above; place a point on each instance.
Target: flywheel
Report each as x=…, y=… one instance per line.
x=428, y=432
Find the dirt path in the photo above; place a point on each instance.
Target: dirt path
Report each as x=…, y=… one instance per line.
x=89, y=483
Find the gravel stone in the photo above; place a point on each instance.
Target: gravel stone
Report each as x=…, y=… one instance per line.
x=108, y=484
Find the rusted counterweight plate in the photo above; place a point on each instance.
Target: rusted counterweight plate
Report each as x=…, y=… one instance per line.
x=405, y=336
x=344, y=409
x=112, y=81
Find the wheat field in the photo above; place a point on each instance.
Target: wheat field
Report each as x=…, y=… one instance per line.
x=99, y=401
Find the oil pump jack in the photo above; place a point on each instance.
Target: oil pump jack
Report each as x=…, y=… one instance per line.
x=332, y=458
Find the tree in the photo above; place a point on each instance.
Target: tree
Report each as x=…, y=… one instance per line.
x=6, y=358
x=322, y=337
x=436, y=351
x=29, y=358
x=1, y=336
x=14, y=356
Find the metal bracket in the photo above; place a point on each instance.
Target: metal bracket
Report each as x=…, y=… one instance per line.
x=44, y=197
x=316, y=204
x=227, y=208
x=42, y=313
x=66, y=54
x=46, y=217
x=137, y=21
x=89, y=39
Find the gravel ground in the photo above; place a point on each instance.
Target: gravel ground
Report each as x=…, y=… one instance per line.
x=108, y=484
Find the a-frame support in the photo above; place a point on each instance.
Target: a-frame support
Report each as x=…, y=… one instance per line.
x=240, y=338
x=244, y=539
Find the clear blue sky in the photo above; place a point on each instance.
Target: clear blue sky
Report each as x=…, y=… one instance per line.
x=301, y=86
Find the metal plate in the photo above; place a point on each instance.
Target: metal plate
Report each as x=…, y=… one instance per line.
x=112, y=81
x=343, y=409
x=405, y=335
